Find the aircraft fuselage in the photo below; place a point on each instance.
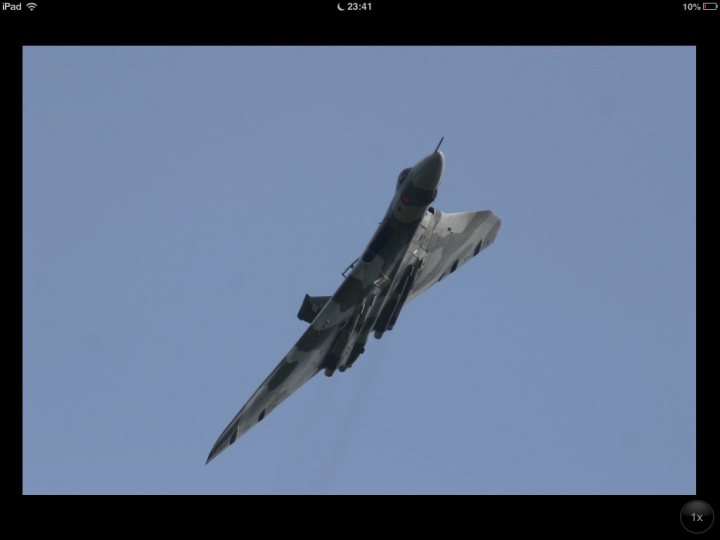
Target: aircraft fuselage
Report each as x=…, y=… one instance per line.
x=369, y=298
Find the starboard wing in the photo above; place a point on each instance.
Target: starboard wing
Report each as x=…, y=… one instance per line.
x=455, y=239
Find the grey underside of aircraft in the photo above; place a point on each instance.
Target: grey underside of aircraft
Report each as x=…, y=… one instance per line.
x=414, y=247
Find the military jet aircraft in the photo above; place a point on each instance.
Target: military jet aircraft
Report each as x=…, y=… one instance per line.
x=414, y=247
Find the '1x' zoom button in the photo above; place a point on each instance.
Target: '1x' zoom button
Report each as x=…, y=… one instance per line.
x=697, y=516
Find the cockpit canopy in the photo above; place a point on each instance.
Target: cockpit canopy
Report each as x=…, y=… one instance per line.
x=402, y=176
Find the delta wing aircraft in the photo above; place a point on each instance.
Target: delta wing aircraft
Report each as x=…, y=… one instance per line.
x=414, y=247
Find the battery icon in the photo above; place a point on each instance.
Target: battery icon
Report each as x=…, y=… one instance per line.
x=709, y=6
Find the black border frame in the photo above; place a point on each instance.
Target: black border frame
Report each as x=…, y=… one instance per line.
x=55, y=22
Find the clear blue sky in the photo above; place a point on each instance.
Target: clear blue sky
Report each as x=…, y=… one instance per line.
x=179, y=202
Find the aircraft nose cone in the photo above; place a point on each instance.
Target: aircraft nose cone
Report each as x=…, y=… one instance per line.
x=429, y=171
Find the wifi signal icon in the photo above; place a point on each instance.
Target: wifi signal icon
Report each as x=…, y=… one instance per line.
x=31, y=5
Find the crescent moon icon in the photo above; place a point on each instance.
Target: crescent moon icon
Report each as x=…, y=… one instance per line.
x=339, y=8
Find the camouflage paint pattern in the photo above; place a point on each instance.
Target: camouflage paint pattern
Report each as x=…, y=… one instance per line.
x=413, y=247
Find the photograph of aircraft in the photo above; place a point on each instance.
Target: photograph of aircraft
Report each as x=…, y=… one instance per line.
x=414, y=247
